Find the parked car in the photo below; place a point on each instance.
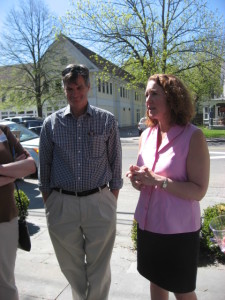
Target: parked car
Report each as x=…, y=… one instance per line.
x=142, y=125
x=32, y=123
x=36, y=129
x=28, y=139
x=21, y=119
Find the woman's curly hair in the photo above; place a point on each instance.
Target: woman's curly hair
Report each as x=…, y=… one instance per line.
x=178, y=98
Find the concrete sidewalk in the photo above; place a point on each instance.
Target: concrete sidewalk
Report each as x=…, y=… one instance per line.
x=38, y=275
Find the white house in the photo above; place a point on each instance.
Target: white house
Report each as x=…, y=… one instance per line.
x=110, y=85
x=214, y=109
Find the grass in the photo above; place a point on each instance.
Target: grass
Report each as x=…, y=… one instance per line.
x=213, y=133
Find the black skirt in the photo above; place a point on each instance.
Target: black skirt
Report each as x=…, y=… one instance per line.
x=169, y=260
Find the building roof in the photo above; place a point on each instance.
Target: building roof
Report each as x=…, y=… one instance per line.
x=100, y=62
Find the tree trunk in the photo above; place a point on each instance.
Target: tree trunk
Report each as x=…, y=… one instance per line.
x=39, y=106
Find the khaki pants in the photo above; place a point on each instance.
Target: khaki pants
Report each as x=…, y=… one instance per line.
x=82, y=230
x=8, y=248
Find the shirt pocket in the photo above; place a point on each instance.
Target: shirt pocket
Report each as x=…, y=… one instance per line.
x=97, y=146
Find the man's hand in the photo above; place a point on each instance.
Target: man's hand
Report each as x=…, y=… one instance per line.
x=115, y=193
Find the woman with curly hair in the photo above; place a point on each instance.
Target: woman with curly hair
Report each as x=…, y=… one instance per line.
x=172, y=175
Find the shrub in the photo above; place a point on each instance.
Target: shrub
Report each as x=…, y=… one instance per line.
x=134, y=234
x=25, y=201
x=207, y=246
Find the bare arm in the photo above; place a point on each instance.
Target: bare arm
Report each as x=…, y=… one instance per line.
x=19, y=168
x=6, y=180
x=198, y=166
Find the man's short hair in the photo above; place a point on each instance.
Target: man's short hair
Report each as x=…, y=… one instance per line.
x=72, y=71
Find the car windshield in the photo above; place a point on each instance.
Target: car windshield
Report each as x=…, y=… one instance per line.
x=25, y=134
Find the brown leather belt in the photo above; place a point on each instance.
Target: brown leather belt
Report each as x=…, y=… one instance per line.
x=81, y=194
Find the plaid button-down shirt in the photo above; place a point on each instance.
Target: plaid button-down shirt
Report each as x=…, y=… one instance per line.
x=80, y=154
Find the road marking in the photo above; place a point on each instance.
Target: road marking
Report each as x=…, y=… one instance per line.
x=219, y=155
x=212, y=152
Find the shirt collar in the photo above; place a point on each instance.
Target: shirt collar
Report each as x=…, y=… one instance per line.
x=88, y=111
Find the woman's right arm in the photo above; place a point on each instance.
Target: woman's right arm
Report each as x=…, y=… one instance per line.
x=133, y=169
x=19, y=168
x=4, y=180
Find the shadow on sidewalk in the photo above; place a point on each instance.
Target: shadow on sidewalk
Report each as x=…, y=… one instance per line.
x=33, y=229
x=33, y=193
x=208, y=259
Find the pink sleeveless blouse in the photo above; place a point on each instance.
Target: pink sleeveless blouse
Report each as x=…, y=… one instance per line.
x=157, y=210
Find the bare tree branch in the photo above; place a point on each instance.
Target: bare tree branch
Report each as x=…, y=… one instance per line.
x=28, y=33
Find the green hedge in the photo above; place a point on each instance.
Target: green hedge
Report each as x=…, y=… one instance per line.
x=134, y=234
x=207, y=246
x=24, y=199
x=209, y=251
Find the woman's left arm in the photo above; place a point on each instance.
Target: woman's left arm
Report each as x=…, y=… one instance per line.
x=198, y=166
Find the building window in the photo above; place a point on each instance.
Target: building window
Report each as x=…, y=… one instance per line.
x=103, y=86
x=124, y=93
x=107, y=87
x=136, y=96
x=110, y=88
x=138, y=115
x=99, y=84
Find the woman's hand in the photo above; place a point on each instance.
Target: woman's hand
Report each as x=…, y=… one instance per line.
x=131, y=174
x=148, y=177
x=142, y=176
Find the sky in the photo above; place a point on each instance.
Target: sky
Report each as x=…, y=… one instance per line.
x=59, y=7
